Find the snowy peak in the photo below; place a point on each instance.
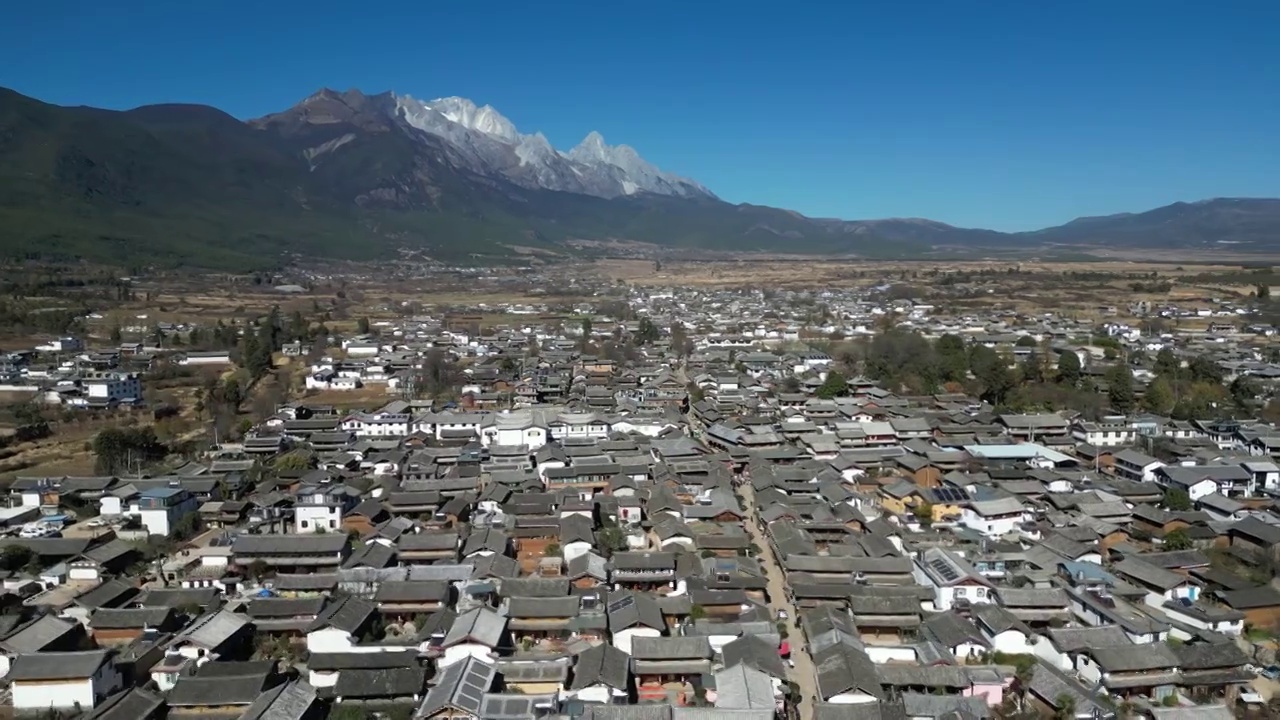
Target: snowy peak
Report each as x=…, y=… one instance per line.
x=481, y=119
x=489, y=143
x=592, y=147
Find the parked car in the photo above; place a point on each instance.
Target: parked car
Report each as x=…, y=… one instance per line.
x=1272, y=672
x=38, y=530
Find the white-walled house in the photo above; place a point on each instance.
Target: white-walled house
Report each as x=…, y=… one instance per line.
x=1135, y=466
x=474, y=634
x=520, y=428
x=1104, y=434
x=952, y=579
x=1191, y=480
x=1005, y=633
x=63, y=680
x=339, y=629
x=578, y=424
x=378, y=424
x=1161, y=585
x=601, y=675
x=160, y=509
x=632, y=616
x=994, y=518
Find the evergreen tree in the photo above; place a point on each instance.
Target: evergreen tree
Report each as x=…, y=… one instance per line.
x=252, y=357
x=299, y=328
x=1069, y=368
x=1245, y=390
x=833, y=386
x=647, y=333
x=993, y=372
x=953, y=358
x=1120, y=389
x=1159, y=397
x=1203, y=369
x=1167, y=364
x=116, y=335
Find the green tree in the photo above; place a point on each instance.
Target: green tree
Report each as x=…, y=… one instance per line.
x=953, y=358
x=118, y=450
x=15, y=557
x=258, y=570
x=1069, y=368
x=586, y=334
x=1064, y=707
x=923, y=512
x=293, y=460
x=1120, y=389
x=611, y=539
x=362, y=326
x=992, y=371
x=1203, y=369
x=1245, y=391
x=833, y=386
x=1176, y=500
x=1167, y=364
x=648, y=333
x=116, y=335
x=251, y=355
x=1177, y=540
x=1158, y=397
x=299, y=328
x=231, y=393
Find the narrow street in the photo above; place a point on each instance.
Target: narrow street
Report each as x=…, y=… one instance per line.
x=803, y=674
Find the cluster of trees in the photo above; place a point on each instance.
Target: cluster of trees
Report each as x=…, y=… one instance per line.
x=119, y=450
x=22, y=317
x=647, y=333
x=249, y=341
x=26, y=433
x=904, y=360
x=681, y=343
x=1196, y=390
x=439, y=376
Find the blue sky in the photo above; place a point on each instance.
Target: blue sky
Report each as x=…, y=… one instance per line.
x=1002, y=114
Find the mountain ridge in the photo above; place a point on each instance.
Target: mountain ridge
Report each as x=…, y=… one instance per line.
x=346, y=175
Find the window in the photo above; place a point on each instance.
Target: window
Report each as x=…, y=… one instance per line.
x=304, y=524
x=981, y=592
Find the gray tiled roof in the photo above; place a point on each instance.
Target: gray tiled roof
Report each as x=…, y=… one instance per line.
x=601, y=664
x=57, y=665
x=479, y=625
x=37, y=634
x=459, y=686
x=292, y=701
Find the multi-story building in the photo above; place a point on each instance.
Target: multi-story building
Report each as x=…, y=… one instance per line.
x=112, y=387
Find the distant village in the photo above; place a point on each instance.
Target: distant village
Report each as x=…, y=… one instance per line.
x=691, y=504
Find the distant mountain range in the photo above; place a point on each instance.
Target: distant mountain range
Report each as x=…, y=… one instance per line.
x=346, y=175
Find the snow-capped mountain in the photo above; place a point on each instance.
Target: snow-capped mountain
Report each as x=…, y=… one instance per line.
x=489, y=143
